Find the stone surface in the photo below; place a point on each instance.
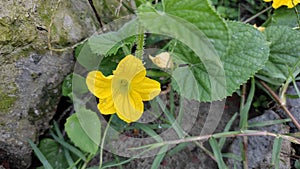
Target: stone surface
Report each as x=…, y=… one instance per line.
x=293, y=105
x=30, y=74
x=260, y=147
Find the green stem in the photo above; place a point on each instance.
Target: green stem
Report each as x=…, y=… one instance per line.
x=102, y=143
x=256, y=15
x=297, y=14
x=140, y=40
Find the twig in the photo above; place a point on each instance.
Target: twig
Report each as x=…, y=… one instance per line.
x=221, y=135
x=256, y=15
x=96, y=13
x=281, y=104
x=245, y=139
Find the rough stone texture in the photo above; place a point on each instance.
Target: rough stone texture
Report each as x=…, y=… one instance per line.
x=260, y=147
x=30, y=74
x=293, y=105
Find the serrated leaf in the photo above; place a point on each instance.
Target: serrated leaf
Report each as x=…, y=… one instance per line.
x=284, y=17
x=104, y=44
x=83, y=128
x=284, y=54
x=247, y=54
x=204, y=17
x=195, y=35
x=53, y=153
x=124, y=42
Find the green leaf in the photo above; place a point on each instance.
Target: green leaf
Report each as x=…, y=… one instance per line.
x=276, y=152
x=54, y=153
x=40, y=155
x=284, y=54
x=204, y=17
x=83, y=128
x=297, y=164
x=109, y=43
x=247, y=54
x=177, y=21
x=284, y=17
x=68, y=87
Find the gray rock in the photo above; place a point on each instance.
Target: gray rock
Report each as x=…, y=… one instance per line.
x=293, y=105
x=31, y=75
x=260, y=147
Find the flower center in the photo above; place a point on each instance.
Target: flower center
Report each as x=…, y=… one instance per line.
x=124, y=82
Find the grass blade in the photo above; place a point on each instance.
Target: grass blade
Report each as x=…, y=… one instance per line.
x=268, y=123
x=245, y=109
x=217, y=153
x=149, y=131
x=276, y=152
x=171, y=119
x=227, y=128
x=158, y=159
x=40, y=155
x=68, y=146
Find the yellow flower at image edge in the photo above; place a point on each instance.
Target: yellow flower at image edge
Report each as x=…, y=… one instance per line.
x=278, y=3
x=124, y=91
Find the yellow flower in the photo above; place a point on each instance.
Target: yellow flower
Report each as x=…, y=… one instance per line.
x=278, y=3
x=124, y=91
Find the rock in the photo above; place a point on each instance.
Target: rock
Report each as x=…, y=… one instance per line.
x=260, y=147
x=293, y=105
x=31, y=75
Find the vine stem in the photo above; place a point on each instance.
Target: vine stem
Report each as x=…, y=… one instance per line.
x=140, y=40
x=281, y=104
x=222, y=135
x=102, y=143
x=245, y=138
x=256, y=15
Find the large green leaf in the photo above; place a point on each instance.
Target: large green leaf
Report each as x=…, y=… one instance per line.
x=83, y=128
x=247, y=54
x=204, y=17
x=284, y=54
x=53, y=153
x=176, y=22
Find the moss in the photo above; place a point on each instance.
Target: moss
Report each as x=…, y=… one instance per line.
x=6, y=101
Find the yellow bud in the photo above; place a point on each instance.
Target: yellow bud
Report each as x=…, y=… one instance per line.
x=260, y=28
x=162, y=60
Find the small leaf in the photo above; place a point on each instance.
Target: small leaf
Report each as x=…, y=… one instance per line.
x=83, y=128
x=54, y=153
x=284, y=54
x=74, y=82
x=40, y=155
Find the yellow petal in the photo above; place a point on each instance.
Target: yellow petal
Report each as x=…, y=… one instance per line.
x=106, y=106
x=278, y=3
x=147, y=88
x=129, y=106
x=98, y=84
x=129, y=67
